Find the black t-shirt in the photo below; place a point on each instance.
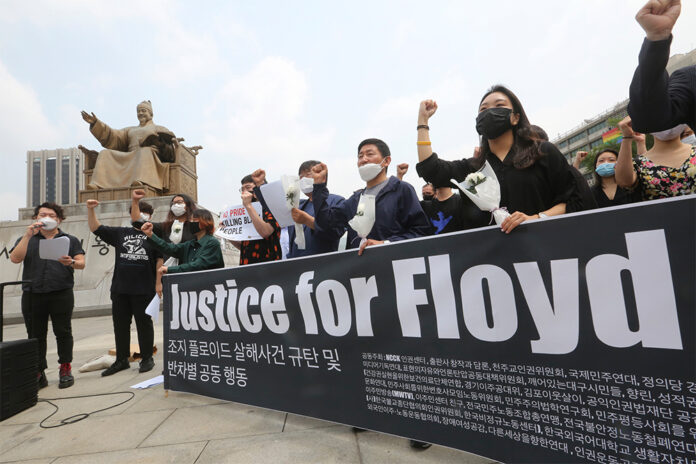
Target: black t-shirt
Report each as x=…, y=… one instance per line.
x=136, y=260
x=455, y=213
x=621, y=197
x=47, y=275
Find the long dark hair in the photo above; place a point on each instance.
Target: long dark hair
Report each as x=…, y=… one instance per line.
x=190, y=208
x=597, y=177
x=527, y=143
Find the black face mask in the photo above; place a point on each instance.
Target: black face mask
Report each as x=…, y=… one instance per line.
x=428, y=197
x=137, y=224
x=194, y=227
x=493, y=122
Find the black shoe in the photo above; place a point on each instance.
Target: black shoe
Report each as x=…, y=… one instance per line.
x=42, y=380
x=419, y=445
x=119, y=365
x=66, y=378
x=146, y=365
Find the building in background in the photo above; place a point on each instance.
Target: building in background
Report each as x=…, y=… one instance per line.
x=588, y=135
x=54, y=176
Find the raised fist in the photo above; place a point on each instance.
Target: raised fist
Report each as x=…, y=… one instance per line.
x=401, y=170
x=138, y=194
x=91, y=204
x=320, y=172
x=146, y=229
x=626, y=127
x=426, y=110
x=657, y=18
x=259, y=177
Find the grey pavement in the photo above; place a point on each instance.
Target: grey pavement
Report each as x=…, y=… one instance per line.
x=181, y=427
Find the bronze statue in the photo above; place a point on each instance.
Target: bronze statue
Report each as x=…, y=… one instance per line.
x=138, y=155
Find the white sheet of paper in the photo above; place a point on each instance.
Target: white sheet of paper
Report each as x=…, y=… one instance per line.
x=152, y=309
x=148, y=383
x=235, y=223
x=54, y=248
x=274, y=195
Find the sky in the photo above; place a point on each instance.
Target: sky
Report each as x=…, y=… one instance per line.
x=272, y=84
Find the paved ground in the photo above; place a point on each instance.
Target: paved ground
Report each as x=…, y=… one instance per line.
x=181, y=428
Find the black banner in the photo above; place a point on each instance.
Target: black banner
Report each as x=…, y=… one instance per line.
x=568, y=340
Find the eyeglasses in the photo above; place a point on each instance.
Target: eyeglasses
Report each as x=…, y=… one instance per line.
x=243, y=189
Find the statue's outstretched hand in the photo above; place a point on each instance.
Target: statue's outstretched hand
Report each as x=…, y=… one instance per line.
x=90, y=118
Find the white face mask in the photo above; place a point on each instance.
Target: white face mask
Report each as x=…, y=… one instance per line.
x=669, y=134
x=307, y=185
x=369, y=171
x=178, y=209
x=144, y=217
x=690, y=139
x=49, y=223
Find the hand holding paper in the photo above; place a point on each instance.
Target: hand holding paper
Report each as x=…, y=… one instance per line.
x=54, y=249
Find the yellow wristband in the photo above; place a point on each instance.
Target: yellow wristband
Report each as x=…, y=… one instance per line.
x=423, y=142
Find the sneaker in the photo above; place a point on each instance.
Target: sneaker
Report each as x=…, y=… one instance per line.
x=146, y=365
x=419, y=445
x=42, y=380
x=119, y=365
x=66, y=378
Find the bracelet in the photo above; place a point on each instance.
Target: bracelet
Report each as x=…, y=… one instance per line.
x=628, y=136
x=422, y=126
x=423, y=142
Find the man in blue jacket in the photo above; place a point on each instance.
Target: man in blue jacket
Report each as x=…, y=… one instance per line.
x=398, y=214
x=317, y=239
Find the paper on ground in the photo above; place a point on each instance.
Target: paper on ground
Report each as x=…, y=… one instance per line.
x=148, y=383
x=152, y=309
x=54, y=248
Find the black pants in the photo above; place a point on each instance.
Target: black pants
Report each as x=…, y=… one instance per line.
x=124, y=307
x=59, y=307
x=26, y=311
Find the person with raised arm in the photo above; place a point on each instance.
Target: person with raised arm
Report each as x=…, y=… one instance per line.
x=659, y=101
x=132, y=287
x=398, y=214
x=200, y=254
x=668, y=169
x=535, y=179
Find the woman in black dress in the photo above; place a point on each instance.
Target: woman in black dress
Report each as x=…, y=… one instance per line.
x=535, y=179
x=605, y=190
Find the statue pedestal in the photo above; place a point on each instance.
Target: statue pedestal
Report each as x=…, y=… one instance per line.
x=123, y=193
x=182, y=179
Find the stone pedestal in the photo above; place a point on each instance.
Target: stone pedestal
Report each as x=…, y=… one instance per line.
x=182, y=179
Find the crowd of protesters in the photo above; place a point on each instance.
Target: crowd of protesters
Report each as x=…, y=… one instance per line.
x=535, y=180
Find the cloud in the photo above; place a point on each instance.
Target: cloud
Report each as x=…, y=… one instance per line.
x=23, y=126
x=256, y=121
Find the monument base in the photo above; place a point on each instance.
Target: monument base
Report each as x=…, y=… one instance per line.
x=113, y=194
